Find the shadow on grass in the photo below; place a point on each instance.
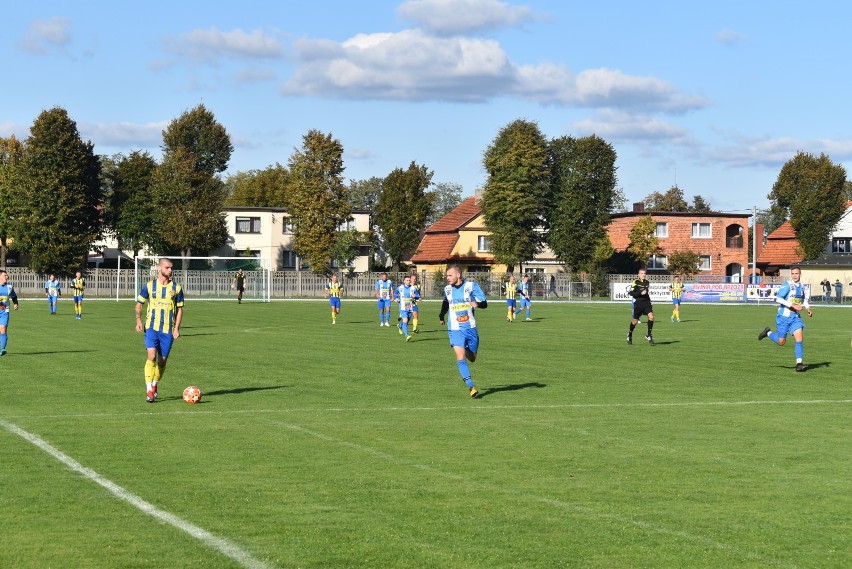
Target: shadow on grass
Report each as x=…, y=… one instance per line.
x=240, y=390
x=809, y=366
x=515, y=387
x=52, y=352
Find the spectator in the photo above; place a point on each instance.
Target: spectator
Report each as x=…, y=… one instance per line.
x=838, y=291
x=826, y=290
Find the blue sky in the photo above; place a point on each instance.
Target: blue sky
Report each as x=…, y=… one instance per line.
x=713, y=96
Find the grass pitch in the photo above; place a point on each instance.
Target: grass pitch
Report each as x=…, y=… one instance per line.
x=324, y=446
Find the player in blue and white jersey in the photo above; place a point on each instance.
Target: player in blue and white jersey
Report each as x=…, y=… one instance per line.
x=53, y=290
x=461, y=298
x=793, y=297
x=524, y=293
x=406, y=296
x=162, y=322
x=7, y=295
x=384, y=295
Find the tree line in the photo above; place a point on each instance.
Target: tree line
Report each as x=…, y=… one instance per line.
x=57, y=198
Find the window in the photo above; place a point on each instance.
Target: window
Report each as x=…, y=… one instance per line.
x=704, y=262
x=659, y=262
x=289, y=259
x=662, y=230
x=287, y=225
x=347, y=225
x=483, y=244
x=840, y=245
x=248, y=225
x=701, y=231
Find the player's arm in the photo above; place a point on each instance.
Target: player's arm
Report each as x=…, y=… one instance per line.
x=479, y=300
x=445, y=307
x=13, y=296
x=178, y=320
x=139, y=326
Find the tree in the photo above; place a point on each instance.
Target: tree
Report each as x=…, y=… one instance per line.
x=317, y=198
x=258, y=188
x=56, y=204
x=515, y=197
x=364, y=195
x=700, y=205
x=810, y=192
x=582, y=193
x=672, y=200
x=11, y=151
x=683, y=263
x=128, y=212
x=444, y=197
x=346, y=246
x=643, y=242
x=403, y=209
x=188, y=195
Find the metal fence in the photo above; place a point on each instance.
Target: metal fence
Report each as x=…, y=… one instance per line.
x=124, y=283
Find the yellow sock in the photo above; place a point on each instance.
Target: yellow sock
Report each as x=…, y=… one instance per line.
x=149, y=371
x=158, y=374
x=414, y=320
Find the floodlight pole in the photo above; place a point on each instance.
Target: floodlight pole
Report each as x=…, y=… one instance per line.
x=754, y=244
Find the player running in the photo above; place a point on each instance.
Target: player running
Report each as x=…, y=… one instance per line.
x=640, y=292
x=461, y=298
x=793, y=297
x=405, y=296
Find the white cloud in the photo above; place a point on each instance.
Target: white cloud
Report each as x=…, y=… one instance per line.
x=210, y=46
x=123, y=134
x=624, y=127
x=42, y=36
x=730, y=37
x=774, y=152
x=414, y=65
x=448, y=17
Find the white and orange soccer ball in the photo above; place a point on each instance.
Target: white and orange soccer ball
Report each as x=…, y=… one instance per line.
x=192, y=395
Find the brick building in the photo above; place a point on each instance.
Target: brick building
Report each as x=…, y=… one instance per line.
x=719, y=239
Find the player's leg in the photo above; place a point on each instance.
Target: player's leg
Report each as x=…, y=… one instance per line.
x=471, y=346
x=151, y=344
x=633, y=322
x=165, y=347
x=650, y=336
x=799, y=337
x=528, y=304
x=415, y=317
x=403, y=326
x=4, y=337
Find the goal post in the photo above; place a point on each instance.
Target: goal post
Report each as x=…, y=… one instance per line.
x=210, y=278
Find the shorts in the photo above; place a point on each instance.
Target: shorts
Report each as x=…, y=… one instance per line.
x=467, y=338
x=405, y=314
x=334, y=301
x=241, y=288
x=414, y=308
x=159, y=340
x=4, y=317
x=52, y=299
x=384, y=303
x=510, y=302
x=78, y=298
x=675, y=301
x=788, y=325
x=526, y=302
x=640, y=310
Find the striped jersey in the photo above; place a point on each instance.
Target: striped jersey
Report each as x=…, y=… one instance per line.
x=333, y=289
x=406, y=296
x=384, y=289
x=511, y=290
x=78, y=286
x=460, y=310
x=7, y=293
x=163, y=302
x=677, y=291
x=789, y=294
x=53, y=287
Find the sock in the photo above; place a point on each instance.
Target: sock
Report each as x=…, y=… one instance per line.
x=147, y=386
x=333, y=315
x=158, y=373
x=650, y=326
x=3, y=339
x=773, y=336
x=468, y=381
x=404, y=325
x=381, y=317
x=464, y=370
x=632, y=326
x=149, y=372
x=800, y=351
x=414, y=321
x=528, y=312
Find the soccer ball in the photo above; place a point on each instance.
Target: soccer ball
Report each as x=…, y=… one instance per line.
x=192, y=395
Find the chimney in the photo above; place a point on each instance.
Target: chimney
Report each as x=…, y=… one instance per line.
x=638, y=207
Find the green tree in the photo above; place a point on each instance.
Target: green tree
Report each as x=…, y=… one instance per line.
x=317, y=198
x=346, y=247
x=683, y=263
x=643, y=242
x=672, y=200
x=700, y=205
x=810, y=192
x=516, y=192
x=11, y=151
x=188, y=195
x=364, y=195
x=56, y=204
x=258, y=188
x=128, y=210
x=582, y=192
x=403, y=209
x=444, y=197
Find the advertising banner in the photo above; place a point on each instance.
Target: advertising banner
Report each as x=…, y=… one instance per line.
x=714, y=292
x=765, y=292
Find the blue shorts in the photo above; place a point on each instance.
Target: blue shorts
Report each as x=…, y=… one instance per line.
x=78, y=298
x=414, y=308
x=383, y=303
x=4, y=318
x=334, y=301
x=675, y=301
x=159, y=340
x=510, y=302
x=788, y=325
x=526, y=302
x=51, y=299
x=467, y=339
x=405, y=314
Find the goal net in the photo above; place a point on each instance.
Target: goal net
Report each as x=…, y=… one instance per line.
x=210, y=278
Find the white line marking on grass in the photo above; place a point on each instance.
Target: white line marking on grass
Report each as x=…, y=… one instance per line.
x=224, y=546
x=561, y=504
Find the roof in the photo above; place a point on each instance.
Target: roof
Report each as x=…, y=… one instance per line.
x=784, y=231
x=459, y=216
x=781, y=247
x=678, y=214
x=830, y=260
x=438, y=241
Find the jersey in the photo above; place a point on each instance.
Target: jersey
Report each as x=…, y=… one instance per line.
x=636, y=289
x=7, y=293
x=415, y=294
x=53, y=288
x=78, y=286
x=384, y=289
x=677, y=291
x=511, y=290
x=163, y=302
x=406, y=296
x=792, y=293
x=240, y=278
x=524, y=289
x=333, y=289
x=459, y=299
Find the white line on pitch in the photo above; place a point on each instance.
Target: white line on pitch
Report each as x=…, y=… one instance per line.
x=224, y=546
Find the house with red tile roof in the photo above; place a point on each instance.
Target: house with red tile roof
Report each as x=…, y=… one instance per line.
x=780, y=251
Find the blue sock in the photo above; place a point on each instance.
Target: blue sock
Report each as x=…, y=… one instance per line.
x=3, y=339
x=464, y=370
x=468, y=381
x=800, y=350
x=381, y=317
x=528, y=312
x=405, y=328
x=773, y=336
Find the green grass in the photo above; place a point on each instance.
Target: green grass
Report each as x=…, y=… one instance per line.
x=323, y=446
